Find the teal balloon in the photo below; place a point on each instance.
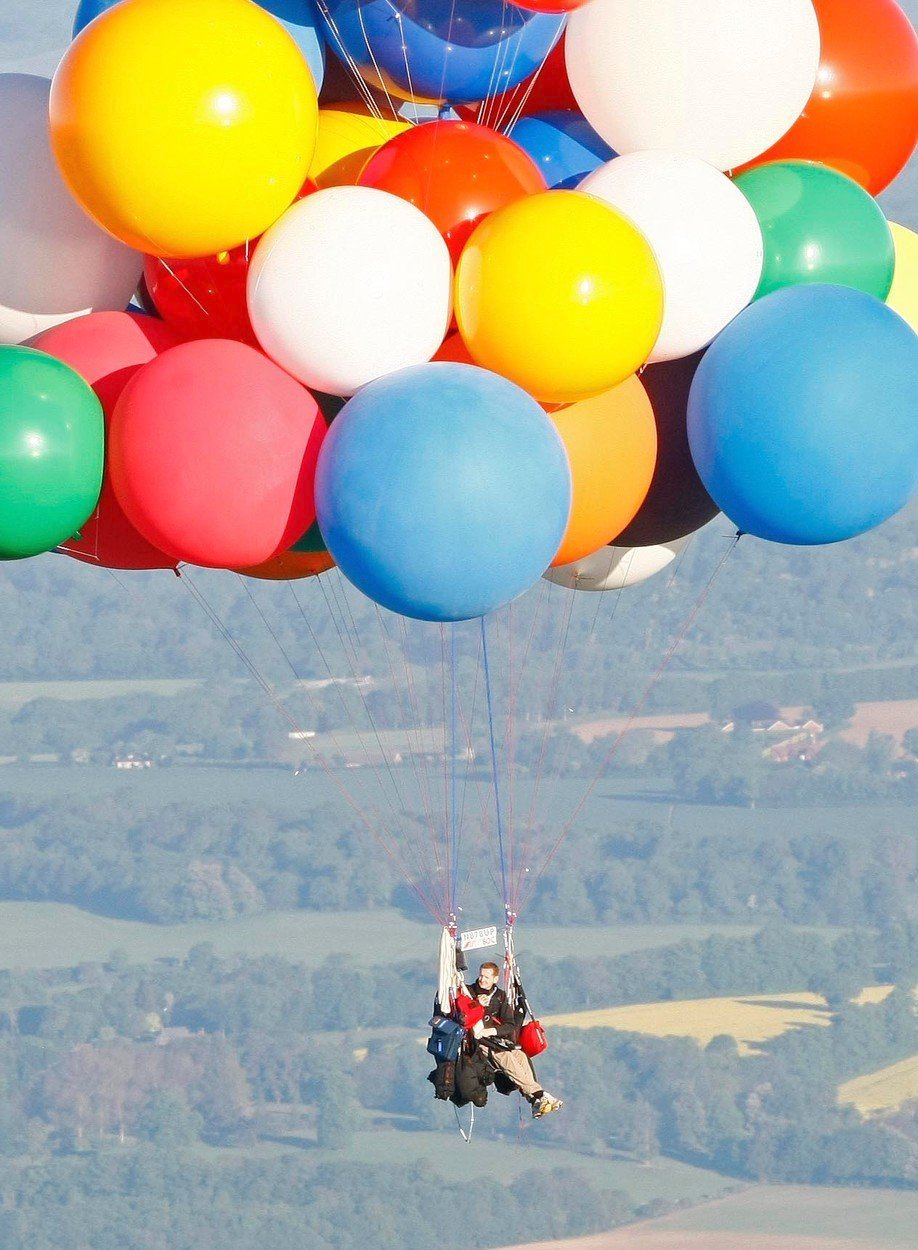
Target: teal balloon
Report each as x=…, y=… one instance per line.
x=52, y=449
x=818, y=226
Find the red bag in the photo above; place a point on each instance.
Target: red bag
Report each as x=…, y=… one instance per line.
x=468, y=1012
x=532, y=1039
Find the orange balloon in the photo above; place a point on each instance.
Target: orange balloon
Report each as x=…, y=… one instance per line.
x=290, y=566
x=611, y=443
x=862, y=118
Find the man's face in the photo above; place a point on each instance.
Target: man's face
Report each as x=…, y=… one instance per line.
x=487, y=979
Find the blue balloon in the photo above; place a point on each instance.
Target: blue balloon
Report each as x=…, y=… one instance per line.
x=563, y=144
x=443, y=491
x=802, y=417
x=298, y=16
x=440, y=51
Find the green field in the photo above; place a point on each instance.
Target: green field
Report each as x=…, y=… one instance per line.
x=53, y=935
x=502, y=1161
x=618, y=798
x=16, y=694
x=877, y=1217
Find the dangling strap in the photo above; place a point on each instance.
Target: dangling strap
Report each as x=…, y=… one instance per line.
x=466, y=1136
x=513, y=982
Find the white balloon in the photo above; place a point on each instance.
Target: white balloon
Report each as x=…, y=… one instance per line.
x=350, y=284
x=705, y=236
x=55, y=264
x=615, y=568
x=719, y=79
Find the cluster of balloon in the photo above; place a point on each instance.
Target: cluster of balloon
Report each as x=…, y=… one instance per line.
x=452, y=292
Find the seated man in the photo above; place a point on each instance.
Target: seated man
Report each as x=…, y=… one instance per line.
x=497, y=1035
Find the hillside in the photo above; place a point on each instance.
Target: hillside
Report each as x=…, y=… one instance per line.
x=770, y=1218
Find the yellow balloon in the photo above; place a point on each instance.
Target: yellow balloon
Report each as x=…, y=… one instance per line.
x=184, y=127
x=561, y=294
x=348, y=136
x=903, y=298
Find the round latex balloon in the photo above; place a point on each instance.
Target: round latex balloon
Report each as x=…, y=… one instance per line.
x=350, y=284
x=615, y=567
x=709, y=78
x=561, y=294
x=56, y=263
x=862, y=117
x=183, y=129
x=677, y=502
x=802, y=415
x=291, y=566
x=52, y=445
x=704, y=235
x=818, y=226
x=439, y=51
x=549, y=6
x=443, y=491
x=298, y=17
x=611, y=445
x=347, y=137
x=312, y=542
x=213, y=452
x=455, y=173
x=205, y=296
x=903, y=297
x=548, y=88
x=453, y=349
x=563, y=145
x=106, y=350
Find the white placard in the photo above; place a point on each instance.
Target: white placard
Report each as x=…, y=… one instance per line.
x=475, y=939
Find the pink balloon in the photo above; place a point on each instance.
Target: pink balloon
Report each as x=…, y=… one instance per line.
x=107, y=349
x=213, y=454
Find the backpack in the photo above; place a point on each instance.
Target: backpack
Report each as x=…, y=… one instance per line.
x=446, y=1038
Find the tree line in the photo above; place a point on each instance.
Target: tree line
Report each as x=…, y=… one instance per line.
x=115, y=1076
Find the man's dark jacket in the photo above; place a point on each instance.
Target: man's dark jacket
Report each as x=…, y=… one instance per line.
x=498, y=1014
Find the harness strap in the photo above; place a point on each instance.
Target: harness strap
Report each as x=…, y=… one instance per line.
x=466, y=1136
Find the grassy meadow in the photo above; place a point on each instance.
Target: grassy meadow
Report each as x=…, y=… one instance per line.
x=56, y=935
x=772, y=1217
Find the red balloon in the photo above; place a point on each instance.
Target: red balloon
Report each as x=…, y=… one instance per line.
x=549, y=6
x=547, y=89
x=107, y=349
x=862, y=117
x=455, y=173
x=454, y=350
x=205, y=297
x=213, y=454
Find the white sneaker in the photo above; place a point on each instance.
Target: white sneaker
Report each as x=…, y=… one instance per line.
x=545, y=1106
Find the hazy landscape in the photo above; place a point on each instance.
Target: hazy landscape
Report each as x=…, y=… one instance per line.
x=215, y=978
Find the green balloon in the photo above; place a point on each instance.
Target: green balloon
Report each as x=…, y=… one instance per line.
x=52, y=450
x=312, y=540
x=818, y=226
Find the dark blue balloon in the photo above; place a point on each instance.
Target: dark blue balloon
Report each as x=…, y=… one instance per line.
x=440, y=51
x=563, y=144
x=299, y=17
x=803, y=417
x=443, y=491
